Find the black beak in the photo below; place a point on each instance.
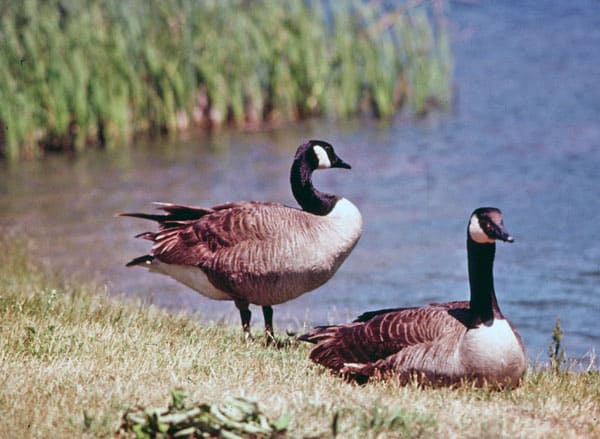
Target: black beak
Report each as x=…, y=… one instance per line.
x=339, y=163
x=502, y=234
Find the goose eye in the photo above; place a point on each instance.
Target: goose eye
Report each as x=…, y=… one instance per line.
x=487, y=227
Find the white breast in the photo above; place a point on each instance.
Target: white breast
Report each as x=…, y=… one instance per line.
x=336, y=235
x=345, y=222
x=491, y=349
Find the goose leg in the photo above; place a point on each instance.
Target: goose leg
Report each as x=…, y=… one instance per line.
x=268, y=315
x=245, y=314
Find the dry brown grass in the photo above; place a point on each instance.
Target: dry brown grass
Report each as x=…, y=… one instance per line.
x=72, y=359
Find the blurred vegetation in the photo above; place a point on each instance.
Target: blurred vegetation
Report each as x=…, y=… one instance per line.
x=75, y=73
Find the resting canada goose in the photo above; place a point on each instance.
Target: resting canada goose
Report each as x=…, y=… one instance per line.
x=257, y=252
x=439, y=344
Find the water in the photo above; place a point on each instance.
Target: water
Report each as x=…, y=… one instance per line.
x=524, y=136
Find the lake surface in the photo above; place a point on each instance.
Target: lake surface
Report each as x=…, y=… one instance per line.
x=524, y=136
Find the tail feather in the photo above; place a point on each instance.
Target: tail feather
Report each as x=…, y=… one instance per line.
x=148, y=216
x=146, y=235
x=140, y=260
x=317, y=334
x=366, y=316
x=176, y=216
x=332, y=349
x=175, y=213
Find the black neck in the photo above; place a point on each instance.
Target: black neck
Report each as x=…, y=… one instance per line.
x=484, y=307
x=309, y=198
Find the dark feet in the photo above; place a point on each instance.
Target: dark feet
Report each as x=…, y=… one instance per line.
x=268, y=315
x=245, y=315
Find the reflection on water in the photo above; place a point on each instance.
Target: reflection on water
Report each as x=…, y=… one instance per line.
x=525, y=138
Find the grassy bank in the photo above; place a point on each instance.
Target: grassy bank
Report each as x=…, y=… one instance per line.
x=73, y=360
x=98, y=71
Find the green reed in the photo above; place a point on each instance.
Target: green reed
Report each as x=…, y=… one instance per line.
x=79, y=73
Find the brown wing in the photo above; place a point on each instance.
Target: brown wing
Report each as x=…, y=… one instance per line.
x=193, y=236
x=380, y=334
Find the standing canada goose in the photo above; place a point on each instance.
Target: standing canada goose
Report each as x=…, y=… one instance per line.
x=257, y=252
x=439, y=344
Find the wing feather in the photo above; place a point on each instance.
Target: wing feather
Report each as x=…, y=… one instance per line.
x=382, y=335
x=215, y=238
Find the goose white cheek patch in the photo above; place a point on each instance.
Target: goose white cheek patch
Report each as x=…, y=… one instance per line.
x=477, y=233
x=322, y=156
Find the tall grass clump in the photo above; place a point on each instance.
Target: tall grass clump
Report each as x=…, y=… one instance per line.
x=77, y=363
x=75, y=73
x=556, y=351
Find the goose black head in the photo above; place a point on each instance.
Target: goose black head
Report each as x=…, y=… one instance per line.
x=320, y=155
x=486, y=226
